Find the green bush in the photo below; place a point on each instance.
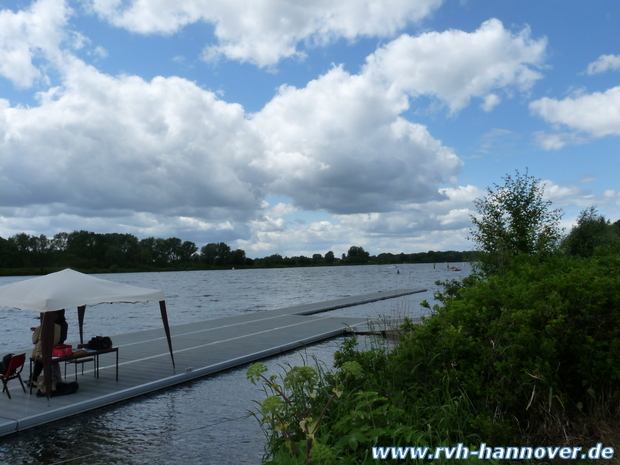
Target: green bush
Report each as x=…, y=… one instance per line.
x=313, y=416
x=536, y=349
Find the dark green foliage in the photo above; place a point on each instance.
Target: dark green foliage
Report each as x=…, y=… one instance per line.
x=216, y=254
x=89, y=251
x=357, y=255
x=591, y=231
x=535, y=349
x=526, y=356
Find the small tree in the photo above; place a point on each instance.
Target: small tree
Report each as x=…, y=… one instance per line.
x=513, y=219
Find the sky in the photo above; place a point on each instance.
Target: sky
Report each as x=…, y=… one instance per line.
x=302, y=127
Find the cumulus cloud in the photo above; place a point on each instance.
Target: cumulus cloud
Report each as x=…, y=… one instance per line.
x=105, y=144
x=490, y=102
x=265, y=31
x=29, y=34
x=597, y=114
x=452, y=212
x=604, y=63
x=442, y=224
x=299, y=239
x=456, y=66
x=283, y=209
x=339, y=145
x=391, y=232
x=152, y=155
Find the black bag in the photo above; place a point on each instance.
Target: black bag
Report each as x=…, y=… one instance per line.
x=6, y=360
x=61, y=389
x=100, y=343
x=64, y=389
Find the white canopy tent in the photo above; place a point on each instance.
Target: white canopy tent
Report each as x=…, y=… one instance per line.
x=69, y=288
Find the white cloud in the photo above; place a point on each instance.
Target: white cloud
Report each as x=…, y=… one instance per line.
x=267, y=226
x=100, y=52
x=28, y=34
x=462, y=196
x=588, y=178
x=557, y=193
x=196, y=224
x=269, y=237
x=339, y=145
x=265, y=31
x=572, y=199
x=283, y=209
x=438, y=225
x=112, y=144
x=490, y=102
x=455, y=66
x=451, y=213
x=597, y=114
x=604, y=63
x=162, y=156
x=556, y=141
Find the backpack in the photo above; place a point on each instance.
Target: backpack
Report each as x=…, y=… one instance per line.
x=6, y=360
x=100, y=343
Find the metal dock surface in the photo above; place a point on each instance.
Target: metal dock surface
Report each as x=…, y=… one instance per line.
x=200, y=349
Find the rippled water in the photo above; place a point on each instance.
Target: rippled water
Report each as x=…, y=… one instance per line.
x=204, y=421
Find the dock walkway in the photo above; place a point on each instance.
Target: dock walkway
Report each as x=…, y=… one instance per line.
x=200, y=349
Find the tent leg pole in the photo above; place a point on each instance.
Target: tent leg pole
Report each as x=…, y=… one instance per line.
x=164, y=317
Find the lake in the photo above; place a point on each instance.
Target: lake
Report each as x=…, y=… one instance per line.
x=204, y=421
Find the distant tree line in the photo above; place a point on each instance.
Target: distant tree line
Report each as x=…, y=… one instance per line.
x=103, y=252
x=358, y=256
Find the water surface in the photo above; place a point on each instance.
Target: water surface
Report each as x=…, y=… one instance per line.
x=205, y=421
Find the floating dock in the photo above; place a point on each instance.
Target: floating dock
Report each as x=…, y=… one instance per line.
x=200, y=349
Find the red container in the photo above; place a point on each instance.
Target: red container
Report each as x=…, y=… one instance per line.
x=62, y=350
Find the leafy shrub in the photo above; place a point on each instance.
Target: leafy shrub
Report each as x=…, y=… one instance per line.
x=313, y=416
x=534, y=349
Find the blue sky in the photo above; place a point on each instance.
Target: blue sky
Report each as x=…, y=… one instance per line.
x=302, y=127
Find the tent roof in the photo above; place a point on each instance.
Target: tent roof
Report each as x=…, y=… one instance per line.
x=69, y=288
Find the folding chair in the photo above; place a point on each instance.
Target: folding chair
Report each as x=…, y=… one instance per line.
x=16, y=365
